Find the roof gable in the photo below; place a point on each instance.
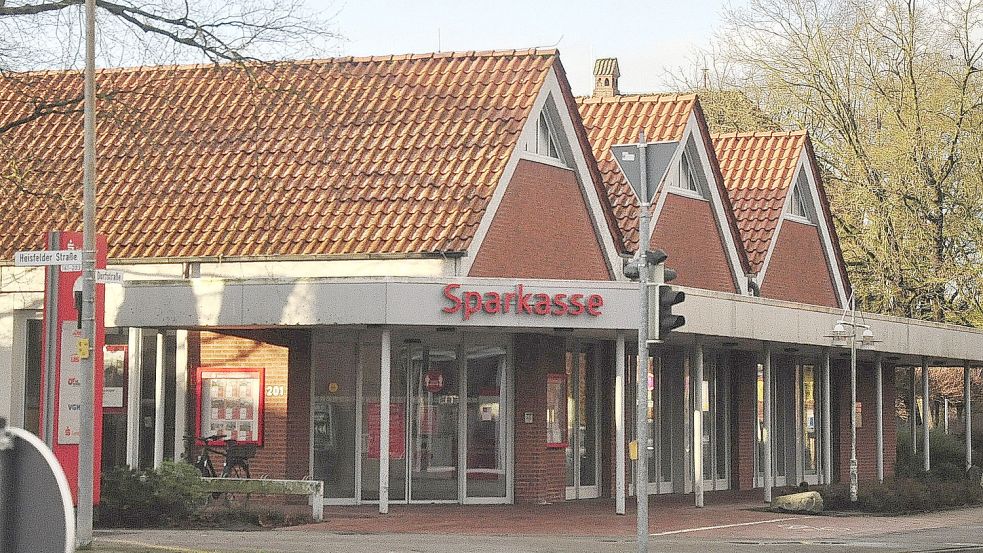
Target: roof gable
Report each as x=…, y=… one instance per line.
x=617, y=120
x=758, y=170
x=383, y=155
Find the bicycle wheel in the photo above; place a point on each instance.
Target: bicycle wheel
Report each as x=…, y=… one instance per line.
x=236, y=468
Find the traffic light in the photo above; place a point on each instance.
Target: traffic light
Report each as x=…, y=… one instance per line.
x=669, y=321
x=662, y=319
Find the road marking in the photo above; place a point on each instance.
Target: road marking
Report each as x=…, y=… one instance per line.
x=702, y=528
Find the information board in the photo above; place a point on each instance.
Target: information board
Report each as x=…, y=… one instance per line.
x=230, y=404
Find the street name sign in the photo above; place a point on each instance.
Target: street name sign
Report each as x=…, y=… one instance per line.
x=108, y=276
x=47, y=257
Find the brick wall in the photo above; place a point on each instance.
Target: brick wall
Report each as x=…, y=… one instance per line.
x=540, y=472
x=744, y=402
x=687, y=230
x=798, y=270
x=221, y=350
x=542, y=230
x=867, y=433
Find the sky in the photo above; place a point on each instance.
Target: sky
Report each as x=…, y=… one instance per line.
x=648, y=37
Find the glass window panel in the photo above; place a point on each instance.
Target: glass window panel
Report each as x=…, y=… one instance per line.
x=32, y=379
x=571, y=420
x=809, y=420
x=434, y=423
x=487, y=429
x=587, y=401
x=370, y=358
x=708, y=396
x=333, y=430
x=722, y=384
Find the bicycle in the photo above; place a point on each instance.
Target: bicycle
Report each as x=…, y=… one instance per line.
x=236, y=459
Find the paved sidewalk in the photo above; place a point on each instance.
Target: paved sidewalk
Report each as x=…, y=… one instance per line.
x=574, y=526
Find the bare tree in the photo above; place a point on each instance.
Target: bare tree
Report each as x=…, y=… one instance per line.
x=892, y=93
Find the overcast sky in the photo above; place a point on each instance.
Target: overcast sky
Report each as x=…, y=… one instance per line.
x=646, y=36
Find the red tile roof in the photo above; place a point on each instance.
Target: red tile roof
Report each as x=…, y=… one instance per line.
x=617, y=120
x=758, y=171
x=383, y=155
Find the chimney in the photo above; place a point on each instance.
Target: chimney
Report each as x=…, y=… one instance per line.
x=606, y=75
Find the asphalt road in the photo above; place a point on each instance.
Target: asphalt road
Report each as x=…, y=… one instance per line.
x=952, y=531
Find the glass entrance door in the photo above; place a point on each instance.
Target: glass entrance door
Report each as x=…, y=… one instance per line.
x=434, y=403
x=486, y=432
x=582, y=454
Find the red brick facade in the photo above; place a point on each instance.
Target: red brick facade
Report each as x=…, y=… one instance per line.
x=798, y=270
x=540, y=471
x=867, y=431
x=285, y=358
x=542, y=229
x=687, y=230
x=744, y=403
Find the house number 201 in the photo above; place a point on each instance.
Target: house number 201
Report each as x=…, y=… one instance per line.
x=276, y=391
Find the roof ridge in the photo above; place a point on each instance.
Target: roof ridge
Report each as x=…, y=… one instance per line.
x=644, y=97
x=760, y=134
x=544, y=52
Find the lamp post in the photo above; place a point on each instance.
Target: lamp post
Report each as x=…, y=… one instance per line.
x=840, y=337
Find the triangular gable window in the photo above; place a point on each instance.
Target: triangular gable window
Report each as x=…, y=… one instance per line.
x=691, y=175
x=546, y=143
x=801, y=206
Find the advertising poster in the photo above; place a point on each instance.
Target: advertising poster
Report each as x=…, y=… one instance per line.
x=397, y=430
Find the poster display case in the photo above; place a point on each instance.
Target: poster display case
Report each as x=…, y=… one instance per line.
x=230, y=404
x=115, y=367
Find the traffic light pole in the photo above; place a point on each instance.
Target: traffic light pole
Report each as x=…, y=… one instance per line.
x=86, y=463
x=641, y=375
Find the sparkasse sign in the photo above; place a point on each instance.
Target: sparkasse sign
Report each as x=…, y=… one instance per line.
x=518, y=302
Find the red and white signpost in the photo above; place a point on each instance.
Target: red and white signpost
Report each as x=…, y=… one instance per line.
x=63, y=348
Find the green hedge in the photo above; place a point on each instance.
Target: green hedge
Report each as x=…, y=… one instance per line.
x=903, y=495
x=172, y=495
x=948, y=455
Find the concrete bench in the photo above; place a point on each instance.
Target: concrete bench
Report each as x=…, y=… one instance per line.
x=313, y=489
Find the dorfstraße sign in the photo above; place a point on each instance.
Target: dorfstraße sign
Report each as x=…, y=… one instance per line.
x=47, y=257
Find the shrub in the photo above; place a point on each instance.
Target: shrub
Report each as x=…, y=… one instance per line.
x=165, y=497
x=948, y=456
x=903, y=495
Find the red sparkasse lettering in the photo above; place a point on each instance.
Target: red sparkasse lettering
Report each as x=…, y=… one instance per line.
x=493, y=302
x=594, y=303
x=472, y=303
x=576, y=304
x=523, y=304
x=509, y=296
x=449, y=294
x=560, y=306
x=542, y=304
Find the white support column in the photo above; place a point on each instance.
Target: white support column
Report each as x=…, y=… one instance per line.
x=945, y=415
x=180, y=393
x=968, y=411
x=384, y=399
x=134, y=363
x=827, y=423
x=913, y=416
x=879, y=406
x=698, y=423
x=619, y=423
x=159, y=402
x=926, y=416
x=766, y=438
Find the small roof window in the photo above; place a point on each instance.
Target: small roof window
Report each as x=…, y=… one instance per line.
x=691, y=177
x=801, y=206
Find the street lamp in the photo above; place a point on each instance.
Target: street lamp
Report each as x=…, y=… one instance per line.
x=841, y=335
